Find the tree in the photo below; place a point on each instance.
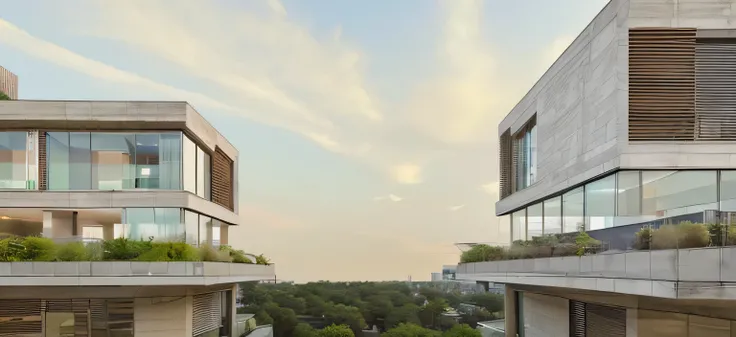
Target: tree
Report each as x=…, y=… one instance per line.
x=315, y=305
x=284, y=319
x=287, y=300
x=336, y=331
x=405, y=314
x=262, y=318
x=429, y=315
x=410, y=330
x=490, y=301
x=4, y=97
x=304, y=330
x=340, y=314
x=377, y=308
x=462, y=330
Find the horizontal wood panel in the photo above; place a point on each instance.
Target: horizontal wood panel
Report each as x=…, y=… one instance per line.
x=661, y=84
x=715, y=101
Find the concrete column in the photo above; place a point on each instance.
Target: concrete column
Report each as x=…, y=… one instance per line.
x=57, y=224
x=632, y=322
x=233, y=310
x=48, y=226
x=509, y=311
x=224, y=234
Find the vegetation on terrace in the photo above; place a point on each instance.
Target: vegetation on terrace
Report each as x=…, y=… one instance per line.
x=4, y=96
x=31, y=248
x=673, y=236
x=395, y=308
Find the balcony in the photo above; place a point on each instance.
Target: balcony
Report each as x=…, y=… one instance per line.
x=700, y=263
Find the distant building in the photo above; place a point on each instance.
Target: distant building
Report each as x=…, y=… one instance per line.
x=448, y=272
x=8, y=83
x=436, y=277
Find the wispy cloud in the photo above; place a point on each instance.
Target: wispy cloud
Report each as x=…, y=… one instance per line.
x=391, y=197
x=490, y=188
x=456, y=208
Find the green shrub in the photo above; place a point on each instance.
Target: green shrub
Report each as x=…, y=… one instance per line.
x=73, y=251
x=122, y=249
x=643, y=238
x=238, y=256
x=11, y=249
x=169, y=251
x=212, y=254
x=586, y=244
x=38, y=249
x=682, y=235
x=480, y=253
x=261, y=259
x=565, y=249
x=722, y=234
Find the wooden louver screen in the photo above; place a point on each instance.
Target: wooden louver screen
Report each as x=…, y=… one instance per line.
x=661, y=84
x=715, y=102
x=577, y=319
x=222, y=179
x=20, y=317
x=505, y=162
x=206, y=313
x=42, y=162
x=603, y=321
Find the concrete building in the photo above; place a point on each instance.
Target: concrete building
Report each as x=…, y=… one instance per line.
x=634, y=125
x=89, y=171
x=8, y=83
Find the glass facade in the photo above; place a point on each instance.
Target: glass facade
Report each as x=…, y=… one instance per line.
x=169, y=224
x=119, y=161
x=17, y=164
x=632, y=197
x=525, y=145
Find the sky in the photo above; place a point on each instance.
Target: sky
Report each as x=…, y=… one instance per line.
x=367, y=130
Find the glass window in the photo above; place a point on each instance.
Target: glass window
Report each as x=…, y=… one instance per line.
x=205, y=229
x=200, y=172
x=58, y=160
x=534, y=221
x=518, y=223
x=216, y=232
x=189, y=165
x=553, y=216
x=113, y=161
x=170, y=161
x=80, y=161
x=146, y=160
x=13, y=168
x=191, y=221
x=207, y=177
x=667, y=194
x=525, y=145
x=628, y=198
x=572, y=211
x=600, y=203
x=169, y=224
x=140, y=223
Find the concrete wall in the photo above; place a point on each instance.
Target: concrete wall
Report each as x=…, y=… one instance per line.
x=163, y=317
x=546, y=316
x=579, y=107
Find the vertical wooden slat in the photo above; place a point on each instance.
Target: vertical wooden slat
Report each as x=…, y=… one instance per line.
x=662, y=84
x=42, y=162
x=222, y=179
x=505, y=162
x=715, y=100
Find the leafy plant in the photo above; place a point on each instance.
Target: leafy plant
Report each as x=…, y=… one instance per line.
x=261, y=259
x=643, y=238
x=122, y=249
x=4, y=97
x=682, y=235
x=238, y=256
x=73, y=251
x=586, y=244
x=38, y=249
x=482, y=252
x=11, y=249
x=212, y=254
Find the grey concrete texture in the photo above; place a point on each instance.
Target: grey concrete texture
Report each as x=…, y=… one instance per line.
x=581, y=102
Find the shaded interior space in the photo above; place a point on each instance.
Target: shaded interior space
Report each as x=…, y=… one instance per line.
x=86, y=224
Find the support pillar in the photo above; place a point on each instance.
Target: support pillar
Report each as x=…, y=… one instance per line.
x=509, y=311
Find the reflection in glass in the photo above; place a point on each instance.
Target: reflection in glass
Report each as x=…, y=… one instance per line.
x=628, y=200
x=207, y=177
x=189, y=155
x=80, y=169
x=113, y=162
x=671, y=193
x=200, y=172
x=518, y=225
x=13, y=169
x=205, y=230
x=58, y=160
x=191, y=222
x=573, y=211
x=146, y=161
x=600, y=203
x=216, y=232
x=169, y=224
x=553, y=216
x=141, y=223
x=170, y=161
x=534, y=221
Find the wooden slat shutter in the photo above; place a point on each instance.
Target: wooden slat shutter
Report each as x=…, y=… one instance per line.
x=604, y=321
x=222, y=179
x=661, y=84
x=206, y=313
x=42, y=161
x=715, y=103
x=505, y=162
x=19, y=317
x=119, y=315
x=577, y=319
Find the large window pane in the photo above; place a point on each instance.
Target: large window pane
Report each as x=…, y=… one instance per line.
x=140, y=223
x=553, y=216
x=200, y=172
x=146, y=160
x=670, y=194
x=189, y=165
x=600, y=203
x=13, y=169
x=191, y=220
x=205, y=230
x=170, y=161
x=518, y=225
x=534, y=221
x=58, y=160
x=628, y=198
x=169, y=224
x=113, y=161
x=80, y=161
x=216, y=232
x=572, y=211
